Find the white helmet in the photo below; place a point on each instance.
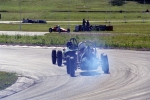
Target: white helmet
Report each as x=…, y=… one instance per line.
x=81, y=45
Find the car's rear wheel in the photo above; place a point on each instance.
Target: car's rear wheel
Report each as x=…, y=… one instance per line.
x=59, y=58
x=72, y=66
x=105, y=64
x=67, y=65
x=53, y=56
x=50, y=30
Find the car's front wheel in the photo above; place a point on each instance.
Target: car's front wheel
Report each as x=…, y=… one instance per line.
x=68, y=30
x=59, y=58
x=72, y=66
x=50, y=30
x=104, y=62
x=67, y=65
x=53, y=56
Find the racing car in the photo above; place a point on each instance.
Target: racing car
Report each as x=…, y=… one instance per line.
x=81, y=55
x=33, y=21
x=59, y=29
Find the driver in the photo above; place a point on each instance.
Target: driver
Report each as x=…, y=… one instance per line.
x=85, y=50
x=69, y=44
x=72, y=44
x=57, y=28
x=81, y=47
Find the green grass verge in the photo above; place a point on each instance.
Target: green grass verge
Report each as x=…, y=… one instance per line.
x=7, y=79
x=119, y=27
x=78, y=9
x=76, y=16
x=125, y=35
x=123, y=41
x=128, y=35
x=63, y=5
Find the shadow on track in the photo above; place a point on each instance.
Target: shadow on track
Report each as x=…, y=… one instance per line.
x=90, y=73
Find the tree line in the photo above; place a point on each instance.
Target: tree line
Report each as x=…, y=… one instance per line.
x=122, y=2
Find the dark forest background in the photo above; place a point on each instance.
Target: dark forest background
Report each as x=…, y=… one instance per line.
x=122, y=2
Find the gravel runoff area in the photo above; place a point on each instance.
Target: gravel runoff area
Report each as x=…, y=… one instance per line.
x=42, y=33
x=21, y=33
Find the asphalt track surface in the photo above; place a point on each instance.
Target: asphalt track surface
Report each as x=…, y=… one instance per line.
x=39, y=79
x=22, y=33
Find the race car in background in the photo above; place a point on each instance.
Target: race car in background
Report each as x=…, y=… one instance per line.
x=33, y=21
x=81, y=55
x=59, y=29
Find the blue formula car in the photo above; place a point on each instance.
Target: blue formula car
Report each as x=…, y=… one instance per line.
x=81, y=55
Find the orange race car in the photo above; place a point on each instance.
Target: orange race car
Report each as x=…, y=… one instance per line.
x=59, y=29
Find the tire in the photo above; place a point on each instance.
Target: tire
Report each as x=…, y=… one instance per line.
x=50, y=30
x=72, y=66
x=67, y=65
x=68, y=30
x=59, y=30
x=59, y=58
x=105, y=65
x=54, y=56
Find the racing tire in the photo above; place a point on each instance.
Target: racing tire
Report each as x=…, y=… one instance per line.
x=50, y=30
x=59, y=58
x=59, y=30
x=68, y=30
x=67, y=65
x=54, y=56
x=72, y=66
x=104, y=62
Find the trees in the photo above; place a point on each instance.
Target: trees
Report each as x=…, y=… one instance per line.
x=141, y=1
x=117, y=2
x=121, y=2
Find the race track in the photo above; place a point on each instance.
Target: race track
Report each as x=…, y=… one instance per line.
x=128, y=79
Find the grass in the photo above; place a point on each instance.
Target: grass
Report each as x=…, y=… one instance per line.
x=7, y=79
x=65, y=16
x=125, y=41
x=73, y=5
x=133, y=34
x=130, y=35
x=78, y=9
x=119, y=27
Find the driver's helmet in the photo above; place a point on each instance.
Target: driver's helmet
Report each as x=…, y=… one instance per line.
x=81, y=46
x=57, y=26
x=69, y=44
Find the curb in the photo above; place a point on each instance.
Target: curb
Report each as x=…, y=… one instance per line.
x=21, y=84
